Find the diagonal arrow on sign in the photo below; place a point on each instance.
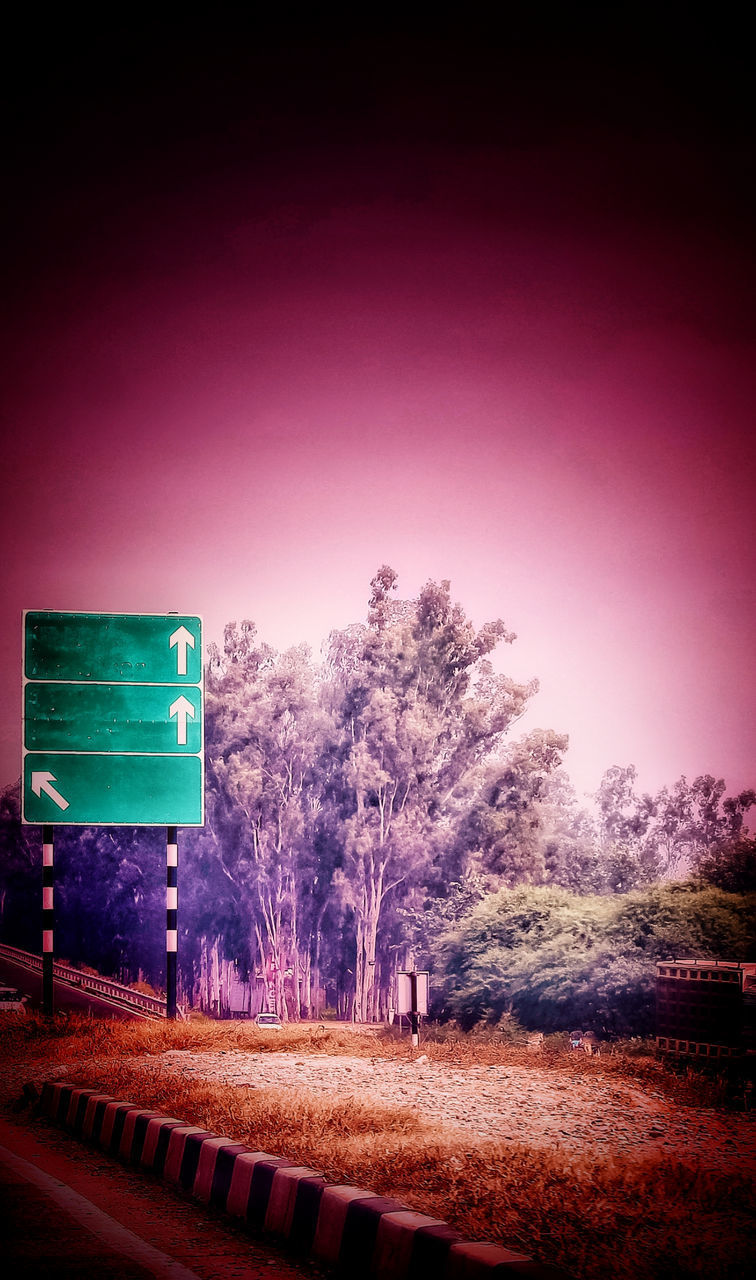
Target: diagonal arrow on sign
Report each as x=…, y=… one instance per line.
x=180, y=640
x=181, y=708
x=40, y=783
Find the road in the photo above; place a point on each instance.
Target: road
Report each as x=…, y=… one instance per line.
x=68, y=1211
x=66, y=998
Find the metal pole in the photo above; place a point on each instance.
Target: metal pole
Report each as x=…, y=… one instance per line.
x=171, y=920
x=414, y=1023
x=48, y=921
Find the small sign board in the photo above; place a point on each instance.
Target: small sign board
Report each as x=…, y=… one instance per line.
x=113, y=716
x=404, y=986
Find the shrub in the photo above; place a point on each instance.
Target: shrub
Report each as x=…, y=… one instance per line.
x=556, y=960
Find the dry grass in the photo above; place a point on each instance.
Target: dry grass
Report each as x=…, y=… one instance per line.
x=201, y=1034
x=596, y=1218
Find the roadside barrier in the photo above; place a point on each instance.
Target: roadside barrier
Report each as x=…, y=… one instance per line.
x=355, y=1233
x=151, y=1005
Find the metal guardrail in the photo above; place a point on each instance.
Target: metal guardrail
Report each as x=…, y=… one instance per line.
x=90, y=982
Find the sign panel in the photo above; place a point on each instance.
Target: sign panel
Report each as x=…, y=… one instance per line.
x=109, y=647
x=113, y=719
x=404, y=992
x=112, y=790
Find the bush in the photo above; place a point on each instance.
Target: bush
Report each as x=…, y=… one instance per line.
x=556, y=960
x=144, y=988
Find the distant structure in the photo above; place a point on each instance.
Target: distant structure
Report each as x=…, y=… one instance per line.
x=706, y=1008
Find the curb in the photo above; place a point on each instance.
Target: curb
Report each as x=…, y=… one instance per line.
x=353, y=1232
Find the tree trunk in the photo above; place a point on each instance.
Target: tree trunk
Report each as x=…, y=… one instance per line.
x=367, y=933
x=316, y=1009
x=306, y=989
x=215, y=978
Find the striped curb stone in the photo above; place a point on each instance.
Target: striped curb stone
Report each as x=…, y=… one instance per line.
x=205, y=1175
x=279, y=1215
x=394, y=1241
x=329, y=1228
x=112, y=1124
x=226, y=1162
x=350, y=1231
x=360, y=1230
x=132, y=1135
x=240, y=1181
x=77, y=1106
x=59, y=1100
x=251, y=1185
x=304, y=1222
x=155, y=1147
x=93, y=1115
x=468, y=1261
x=182, y=1156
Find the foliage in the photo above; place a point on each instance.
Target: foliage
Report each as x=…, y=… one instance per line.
x=591, y=1214
x=558, y=960
x=417, y=709
x=360, y=810
x=21, y=875
x=730, y=866
x=264, y=737
x=645, y=838
x=504, y=825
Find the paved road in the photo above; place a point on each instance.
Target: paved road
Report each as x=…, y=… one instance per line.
x=69, y=1212
x=65, y=998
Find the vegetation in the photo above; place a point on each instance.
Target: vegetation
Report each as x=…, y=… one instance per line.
x=594, y=1217
x=378, y=811
x=554, y=958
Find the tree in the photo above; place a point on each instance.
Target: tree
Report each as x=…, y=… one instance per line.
x=265, y=737
x=20, y=875
x=689, y=820
x=570, y=842
x=623, y=819
x=730, y=866
x=503, y=831
x=645, y=838
x=418, y=710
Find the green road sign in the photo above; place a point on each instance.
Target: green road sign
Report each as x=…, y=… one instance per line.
x=113, y=719
x=113, y=790
x=109, y=647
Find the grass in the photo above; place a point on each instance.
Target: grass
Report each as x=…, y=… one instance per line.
x=633, y=1061
x=594, y=1217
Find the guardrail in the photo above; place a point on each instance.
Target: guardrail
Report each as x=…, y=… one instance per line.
x=152, y=1005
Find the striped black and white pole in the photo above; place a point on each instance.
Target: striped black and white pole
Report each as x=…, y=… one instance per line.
x=171, y=920
x=48, y=921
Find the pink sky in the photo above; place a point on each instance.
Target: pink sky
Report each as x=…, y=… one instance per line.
x=238, y=387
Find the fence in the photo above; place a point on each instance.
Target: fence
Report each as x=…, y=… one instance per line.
x=153, y=1006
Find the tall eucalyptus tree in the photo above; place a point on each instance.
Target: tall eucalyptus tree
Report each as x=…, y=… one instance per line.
x=417, y=708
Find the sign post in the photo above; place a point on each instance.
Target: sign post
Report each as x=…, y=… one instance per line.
x=113, y=735
x=171, y=920
x=48, y=922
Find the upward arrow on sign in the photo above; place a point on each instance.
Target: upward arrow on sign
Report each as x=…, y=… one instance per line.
x=181, y=640
x=181, y=708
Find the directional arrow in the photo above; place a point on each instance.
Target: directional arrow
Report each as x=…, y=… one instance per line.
x=40, y=782
x=181, y=708
x=181, y=638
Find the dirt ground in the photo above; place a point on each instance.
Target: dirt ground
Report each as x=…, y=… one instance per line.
x=596, y=1115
